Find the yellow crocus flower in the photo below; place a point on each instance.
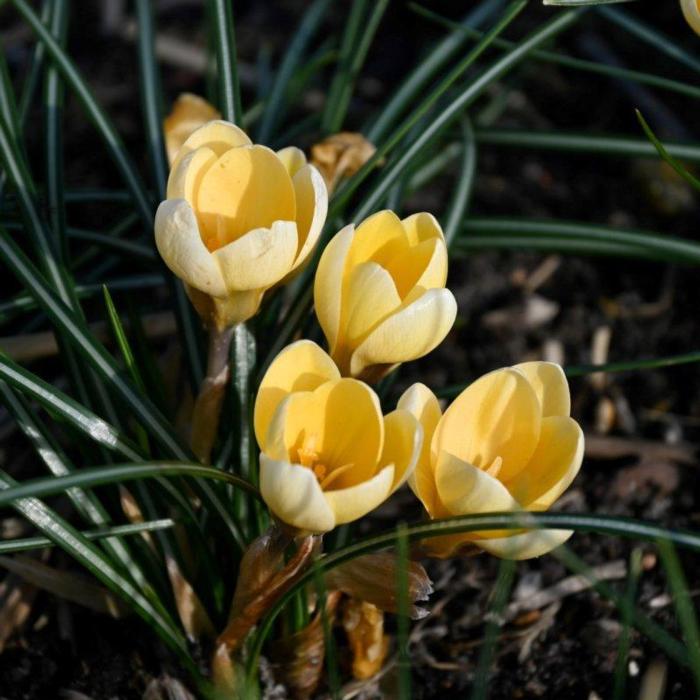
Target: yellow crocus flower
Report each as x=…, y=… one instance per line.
x=328, y=455
x=188, y=113
x=506, y=443
x=691, y=11
x=238, y=219
x=380, y=293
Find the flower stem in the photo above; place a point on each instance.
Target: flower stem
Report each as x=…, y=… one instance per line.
x=207, y=407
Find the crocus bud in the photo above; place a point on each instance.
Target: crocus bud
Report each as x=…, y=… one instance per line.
x=506, y=443
x=328, y=455
x=691, y=11
x=188, y=113
x=239, y=219
x=380, y=293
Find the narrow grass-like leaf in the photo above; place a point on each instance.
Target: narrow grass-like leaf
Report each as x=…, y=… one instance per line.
x=622, y=527
x=465, y=183
x=650, y=35
x=275, y=105
x=26, y=544
x=581, y=3
x=226, y=61
x=665, y=155
x=685, y=608
x=359, y=33
x=501, y=593
x=87, y=554
x=625, y=641
x=117, y=474
x=583, y=143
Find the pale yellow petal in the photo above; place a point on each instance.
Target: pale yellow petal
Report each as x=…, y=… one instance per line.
x=312, y=207
x=496, y=416
x=351, y=503
x=258, y=259
x=553, y=466
x=379, y=238
x=218, y=135
x=328, y=284
x=188, y=113
x=403, y=439
x=294, y=495
x=423, y=404
x=551, y=386
x=466, y=490
x=292, y=158
x=422, y=227
x=424, y=265
x=247, y=188
x=410, y=333
x=691, y=12
x=185, y=179
x=301, y=366
x=180, y=245
x=527, y=545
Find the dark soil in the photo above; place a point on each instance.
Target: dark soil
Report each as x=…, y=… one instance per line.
x=650, y=310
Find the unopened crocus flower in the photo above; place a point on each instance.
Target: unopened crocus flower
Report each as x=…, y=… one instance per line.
x=691, y=11
x=239, y=219
x=328, y=455
x=506, y=443
x=188, y=113
x=380, y=293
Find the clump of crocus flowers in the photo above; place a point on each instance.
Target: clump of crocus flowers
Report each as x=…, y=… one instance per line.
x=239, y=221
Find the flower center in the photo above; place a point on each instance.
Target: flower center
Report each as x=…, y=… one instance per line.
x=309, y=457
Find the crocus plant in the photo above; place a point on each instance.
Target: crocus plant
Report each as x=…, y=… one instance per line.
x=239, y=220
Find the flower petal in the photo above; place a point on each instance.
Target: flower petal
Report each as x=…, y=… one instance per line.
x=466, y=490
x=294, y=495
x=422, y=227
x=351, y=503
x=403, y=439
x=328, y=284
x=247, y=188
x=180, y=245
x=423, y=404
x=259, y=258
x=526, y=545
x=379, y=238
x=408, y=334
x=553, y=466
x=292, y=158
x=551, y=386
x=312, y=207
x=188, y=113
x=185, y=179
x=496, y=416
x=301, y=366
x=691, y=12
x=218, y=135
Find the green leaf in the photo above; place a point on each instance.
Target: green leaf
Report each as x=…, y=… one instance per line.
x=464, y=185
x=665, y=155
x=227, y=69
x=581, y=3
x=27, y=544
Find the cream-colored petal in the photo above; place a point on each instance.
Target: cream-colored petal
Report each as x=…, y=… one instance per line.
x=245, y=189
x=260, y=258
x=526, y=545
x=379, y=238
x=294, y=495
x=351, y=503
x=403, y=439
x=185, y=179
x=423, y=404
x=422, y=227
x=553, y=466
x=328, y=284
x=180, y=245
x=423, y=265
x=551, y=386
x=408, y=334
x=301, y=366
x=435, y=271
x=691, y=12
x=292, y=158
x=465, y=490
x=312, y=207
x=218, y=135
x=188, y=113
x=496, y=416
